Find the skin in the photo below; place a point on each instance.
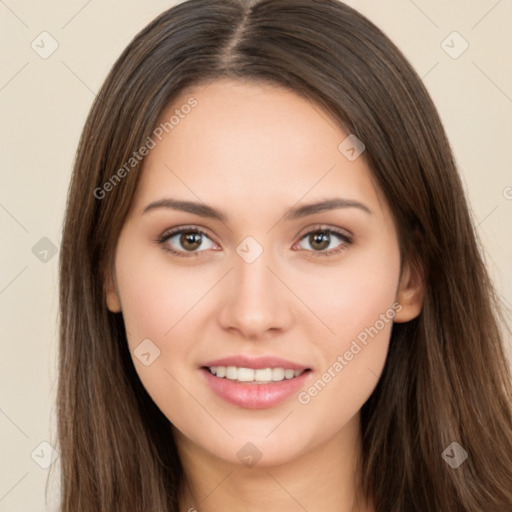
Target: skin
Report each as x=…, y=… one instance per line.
x=254, y=151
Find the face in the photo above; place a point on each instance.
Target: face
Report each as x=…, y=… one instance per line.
x=256, y=250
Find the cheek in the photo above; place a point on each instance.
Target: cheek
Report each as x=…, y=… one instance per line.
x=156, y=296
x=358, y=304
x=352, y=297
x=158, y=304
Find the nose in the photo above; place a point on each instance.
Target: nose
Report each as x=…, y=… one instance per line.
x=255, y=302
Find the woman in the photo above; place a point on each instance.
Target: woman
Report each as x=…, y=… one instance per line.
x=272, y=294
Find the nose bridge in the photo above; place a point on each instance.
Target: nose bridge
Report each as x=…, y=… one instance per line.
x=254, y=284
x=251, y=271
x=253, y=280
x=255, y=300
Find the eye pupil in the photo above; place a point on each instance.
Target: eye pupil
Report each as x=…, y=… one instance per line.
x=319, y=240
x=190, y=240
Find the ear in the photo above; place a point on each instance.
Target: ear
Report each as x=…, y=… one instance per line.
x=410, y=292
x=111, y=295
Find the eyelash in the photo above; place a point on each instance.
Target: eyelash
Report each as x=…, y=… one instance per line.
x=163, y=239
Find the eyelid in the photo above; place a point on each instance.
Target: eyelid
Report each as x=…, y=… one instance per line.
x=324, y=227
x=186, y=227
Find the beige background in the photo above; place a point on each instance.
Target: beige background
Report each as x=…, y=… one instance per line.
x=44, y=103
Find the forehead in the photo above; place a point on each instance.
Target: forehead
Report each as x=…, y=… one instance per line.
x=251, y=142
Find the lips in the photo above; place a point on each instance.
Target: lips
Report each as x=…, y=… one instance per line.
x=255, y=382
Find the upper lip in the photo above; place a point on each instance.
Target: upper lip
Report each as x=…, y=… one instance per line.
x=261, y=362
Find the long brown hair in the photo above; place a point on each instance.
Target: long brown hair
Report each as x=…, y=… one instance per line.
x=446, y=378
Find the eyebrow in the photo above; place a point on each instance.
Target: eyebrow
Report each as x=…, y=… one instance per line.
x=203, y=210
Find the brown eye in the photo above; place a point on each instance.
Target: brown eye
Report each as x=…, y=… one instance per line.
x=191, y=240
x=325, y=241
x=319, y=240
x=186, y=242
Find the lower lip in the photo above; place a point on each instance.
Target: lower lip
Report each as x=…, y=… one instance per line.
x=255, y=396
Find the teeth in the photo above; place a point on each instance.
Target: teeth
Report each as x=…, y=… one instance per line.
x=278, y=373
x=245, y=374
x=258, y=376
x=263, y=375
x=231, y=372
x=289, y=374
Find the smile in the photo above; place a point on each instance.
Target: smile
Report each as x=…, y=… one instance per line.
x=254, y=375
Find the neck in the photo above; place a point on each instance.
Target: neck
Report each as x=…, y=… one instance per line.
x=324, y=479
